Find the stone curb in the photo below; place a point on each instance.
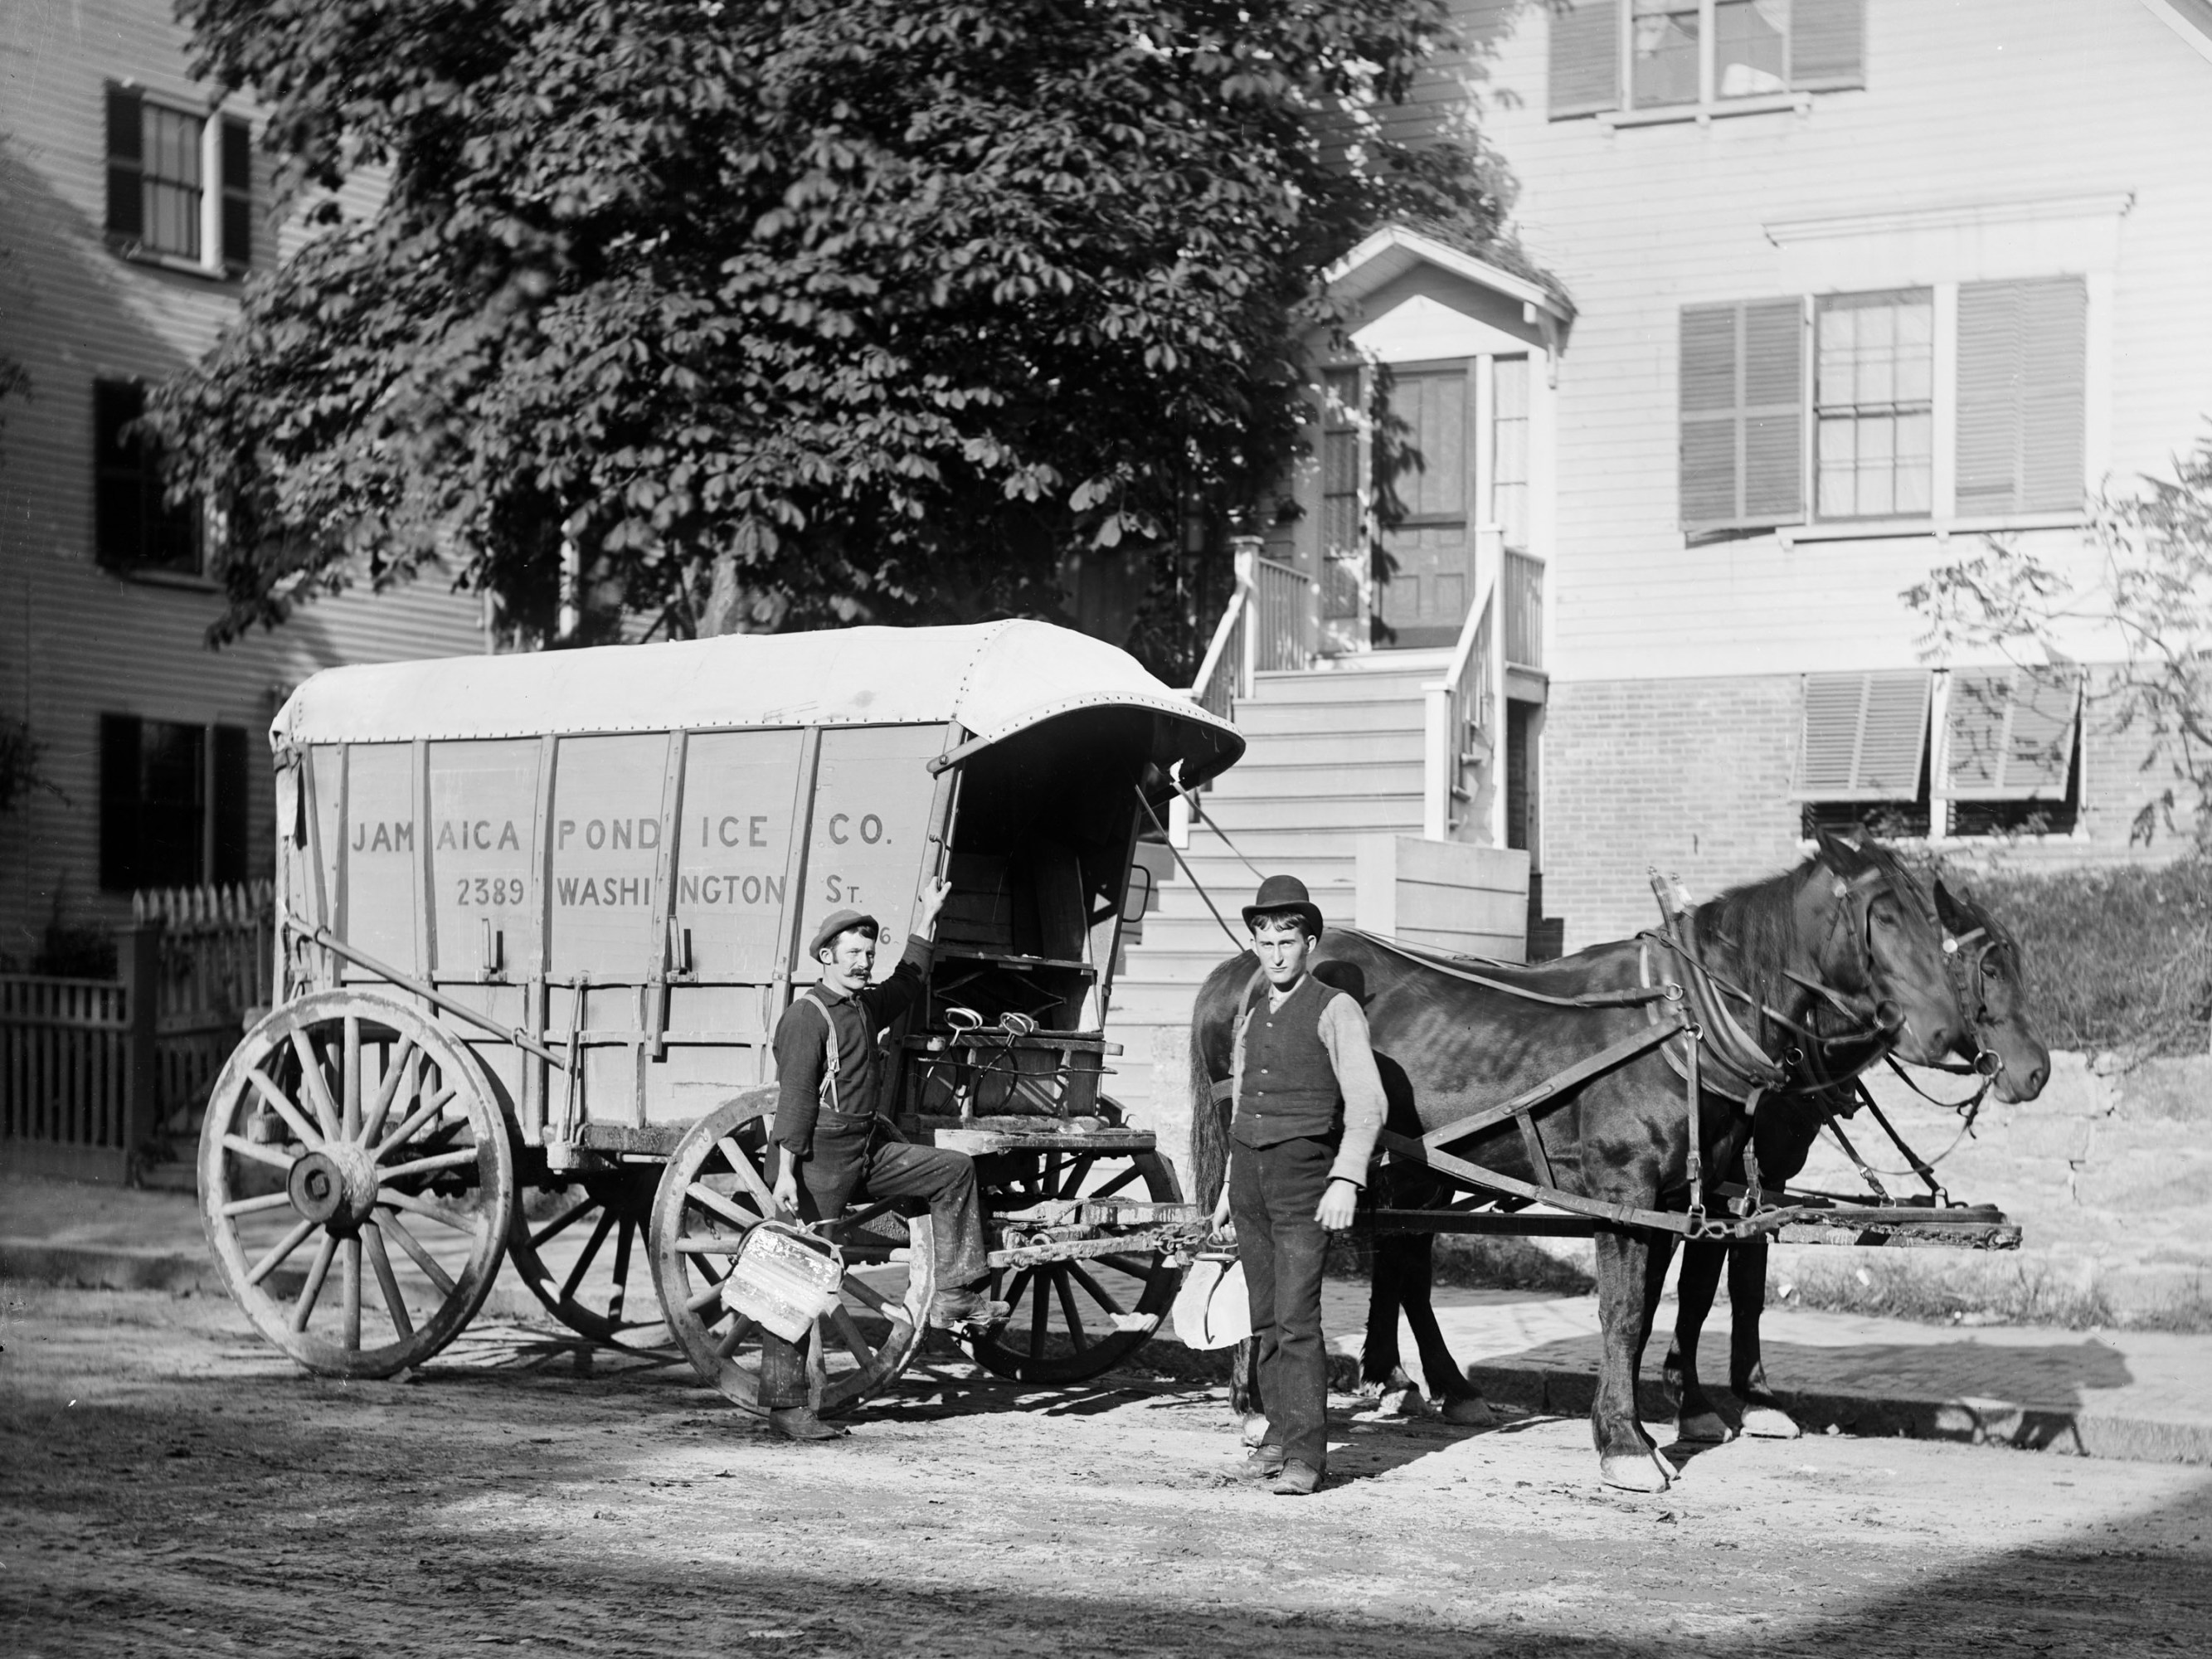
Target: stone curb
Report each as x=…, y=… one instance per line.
x=1559, y=1390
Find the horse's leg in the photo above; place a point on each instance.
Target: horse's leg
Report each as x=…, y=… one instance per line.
x=1632, y=1267
x=1462, y=1400
x=1763, y=1415
x=1695, y=1419
x=1380, y=1367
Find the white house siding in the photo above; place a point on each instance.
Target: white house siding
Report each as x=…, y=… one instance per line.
x=76, y=641
x=1967, y=105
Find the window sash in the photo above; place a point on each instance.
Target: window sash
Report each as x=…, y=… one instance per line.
x=1677, y=54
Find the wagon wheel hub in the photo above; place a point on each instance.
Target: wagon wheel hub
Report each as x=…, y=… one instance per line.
x=335, y=1186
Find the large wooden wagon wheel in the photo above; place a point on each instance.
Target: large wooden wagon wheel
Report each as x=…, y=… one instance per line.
x=1073, y=1320
x=714, y=1190
x=357, y=1181
x=585, y=1258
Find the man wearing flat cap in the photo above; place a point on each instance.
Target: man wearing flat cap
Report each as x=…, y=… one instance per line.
x=1308, y=1106
x=831, y=1149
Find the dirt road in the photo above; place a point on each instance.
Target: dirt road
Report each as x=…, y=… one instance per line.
x=169, y=1484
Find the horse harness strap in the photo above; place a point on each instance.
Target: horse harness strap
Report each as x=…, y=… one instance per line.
x=1629, y=996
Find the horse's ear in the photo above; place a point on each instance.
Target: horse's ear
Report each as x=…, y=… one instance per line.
x=1839, y=855
x=1948, y=909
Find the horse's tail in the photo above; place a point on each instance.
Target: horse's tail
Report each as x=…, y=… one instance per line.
x=1209, y=1117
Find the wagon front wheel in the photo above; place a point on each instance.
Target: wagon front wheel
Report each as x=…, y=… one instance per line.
x=357, y=1181
x=713, y=1191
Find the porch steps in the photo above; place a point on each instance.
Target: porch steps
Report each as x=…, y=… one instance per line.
x=1334, y=753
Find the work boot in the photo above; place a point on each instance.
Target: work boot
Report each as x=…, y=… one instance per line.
x=799, y=1423
x=1296, y=1481
x=966, y=1312
x=1264, y=1463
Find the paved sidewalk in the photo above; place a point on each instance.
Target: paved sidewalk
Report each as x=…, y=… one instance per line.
x=2141, y=1394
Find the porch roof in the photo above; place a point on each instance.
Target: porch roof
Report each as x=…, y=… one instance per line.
x=1392, y=252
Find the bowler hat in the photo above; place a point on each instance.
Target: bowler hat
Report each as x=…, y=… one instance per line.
x=844, y=921
x=1278, y=894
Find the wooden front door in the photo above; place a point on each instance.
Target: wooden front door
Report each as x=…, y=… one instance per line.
x=1430, y=562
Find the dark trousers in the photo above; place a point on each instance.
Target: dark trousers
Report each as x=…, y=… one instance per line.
x=1273, y=1193
x=854, y=1163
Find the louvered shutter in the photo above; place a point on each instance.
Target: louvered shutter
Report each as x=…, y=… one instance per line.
x=237, y=194
x=126, y=148
x=1863, y=736
x=1827, y=45
x=2022, y=351
x=1585, y=65
x=2009, y=734
x=118, y=802
x=1742, y=414
x=233, y=808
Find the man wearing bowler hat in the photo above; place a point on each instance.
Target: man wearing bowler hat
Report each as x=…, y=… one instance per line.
x=830, y=1144
x=1309, y=1104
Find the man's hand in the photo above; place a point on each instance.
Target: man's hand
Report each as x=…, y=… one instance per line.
x=1337, y=1205
x=1221, y=1209
x=927, y=903
x=786, y=1190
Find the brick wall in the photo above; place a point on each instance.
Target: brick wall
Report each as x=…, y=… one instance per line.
x=1694, y=776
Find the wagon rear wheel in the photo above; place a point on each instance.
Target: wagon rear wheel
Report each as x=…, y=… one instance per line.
x=581, y=1249
x=713, y=1191
x=1074, y=1320
x=357, y=1181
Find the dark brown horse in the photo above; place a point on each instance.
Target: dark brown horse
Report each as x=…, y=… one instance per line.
x=1845, y=926
x=2003, y=1044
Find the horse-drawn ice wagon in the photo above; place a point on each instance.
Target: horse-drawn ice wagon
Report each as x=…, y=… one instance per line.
x=538, y=916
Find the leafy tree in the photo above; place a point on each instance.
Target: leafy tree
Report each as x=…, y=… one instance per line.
x=2152, y=590
x=786, y=312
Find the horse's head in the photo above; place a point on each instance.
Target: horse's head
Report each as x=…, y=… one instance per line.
x=1880, y=945
x=1992, y=994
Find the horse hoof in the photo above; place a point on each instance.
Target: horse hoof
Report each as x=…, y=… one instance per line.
x=1704, y=1429
x=1255, y=1429
x=1400, y=1402
x=1470, y=1413
x=1765, y=1423
x=1635, y=1471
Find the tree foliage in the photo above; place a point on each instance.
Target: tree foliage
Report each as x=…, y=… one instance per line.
x=873, y=307
x=2153, y=589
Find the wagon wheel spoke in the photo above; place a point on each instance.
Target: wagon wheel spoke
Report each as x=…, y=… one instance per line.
x=421, y=1257
x=317, y=1085
x=1015, y=1287
x=626, y=1231
x=733, y=1339
x=705, y=1297
x=1135, y=1266
x=349, y=1085
x=431, y=1165
x=856, y=1285
x=415, y=1204
x=818, y=1365
x=855, y=1340
x=254, y=1206
x=699, y=1193
x=397, y=1081
x=583, y=1262
x=325, y=1253
x=1078, y=1167
x=561, y=1224
x=280, y=1251
x=258, y=1154
x=280, y=1104
x=1099, y=1293
x=741, y=1167
x=1076, y=1334
x=854, y=1220
x=387, y=1282
x=350, y=1289
x=1117, y=1183
x=706, y=1244
x=400, y=1137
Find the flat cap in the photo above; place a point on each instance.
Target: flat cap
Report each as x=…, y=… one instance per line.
x=844, y=921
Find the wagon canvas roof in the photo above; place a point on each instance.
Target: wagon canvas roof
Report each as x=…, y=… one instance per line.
x=995, y=678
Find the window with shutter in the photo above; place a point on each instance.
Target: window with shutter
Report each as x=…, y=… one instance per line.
x=2009, y=733
x=125, y=152
x=1585, y=58
x=2022, y=369
x=180, y=184
x=237, y=194
x=1742, y=414
x=232, y=858
x=1864, y=736
x=153, y=803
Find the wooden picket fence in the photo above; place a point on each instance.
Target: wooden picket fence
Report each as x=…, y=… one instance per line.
x=100, y=1077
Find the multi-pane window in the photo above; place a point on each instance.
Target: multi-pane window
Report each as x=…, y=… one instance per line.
x=172, y=803
x=1662, y=64
x=1343, y=547
x=1874, y=415
x=180, y=184
x=1699, y=54
x=1509, y=489
x=2015, y=404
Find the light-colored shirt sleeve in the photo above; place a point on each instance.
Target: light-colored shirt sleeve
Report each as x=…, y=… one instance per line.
x=1343, y=1030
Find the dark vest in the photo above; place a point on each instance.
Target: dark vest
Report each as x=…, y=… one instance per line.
x=1290, y=1087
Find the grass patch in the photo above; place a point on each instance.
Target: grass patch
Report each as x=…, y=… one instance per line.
x=2117, y=959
